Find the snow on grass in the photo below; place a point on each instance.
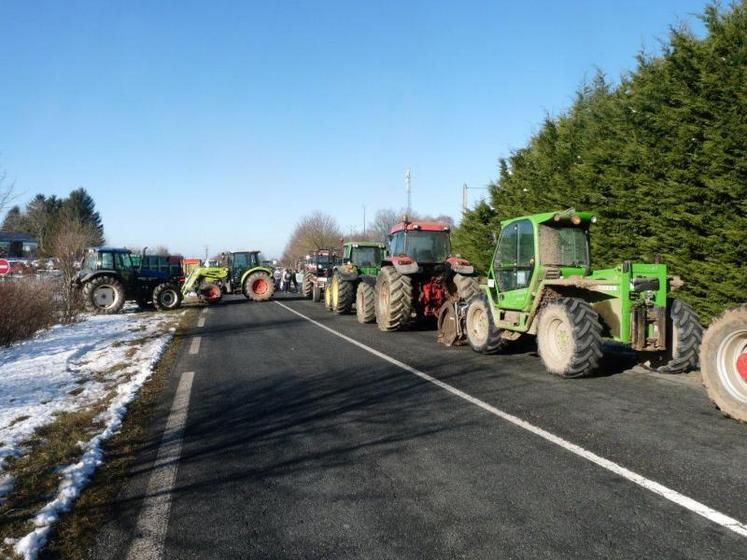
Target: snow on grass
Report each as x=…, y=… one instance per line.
x=68, y=368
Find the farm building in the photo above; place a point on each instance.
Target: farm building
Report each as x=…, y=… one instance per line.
x=17, y=245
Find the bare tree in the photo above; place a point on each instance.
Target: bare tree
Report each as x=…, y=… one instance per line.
x=313, y=232
x=383, y=221
x=6, y=192
x=68, y=243
x=160, y=250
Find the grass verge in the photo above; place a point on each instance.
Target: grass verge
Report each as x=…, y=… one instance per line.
x=37, y=476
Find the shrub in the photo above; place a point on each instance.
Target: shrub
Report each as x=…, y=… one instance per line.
x=27, y=306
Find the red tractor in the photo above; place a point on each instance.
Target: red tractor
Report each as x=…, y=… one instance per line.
x=422, y=279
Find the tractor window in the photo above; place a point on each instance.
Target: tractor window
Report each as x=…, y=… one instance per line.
x=367, y=256
x=397, y=244
x=240, y=260
x=123, y=261
x=107, y=261
x=514, y=260
x=428, y=246
x=564, y=246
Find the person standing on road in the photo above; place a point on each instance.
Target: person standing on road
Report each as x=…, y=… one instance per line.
x=294, y=280
x=286, y=280
x=277, y=275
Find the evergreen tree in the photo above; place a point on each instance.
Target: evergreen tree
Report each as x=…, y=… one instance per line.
x=661, y=158
x=80, y=205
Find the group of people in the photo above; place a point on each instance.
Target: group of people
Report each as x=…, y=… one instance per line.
x=286, y=279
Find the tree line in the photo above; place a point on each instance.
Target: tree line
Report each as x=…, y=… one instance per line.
x=49, y=219
x=661, y=157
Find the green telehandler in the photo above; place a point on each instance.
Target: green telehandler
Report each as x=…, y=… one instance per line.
x=354, y=281
x=541, y=283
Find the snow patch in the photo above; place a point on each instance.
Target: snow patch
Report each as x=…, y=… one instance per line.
x=68, y=368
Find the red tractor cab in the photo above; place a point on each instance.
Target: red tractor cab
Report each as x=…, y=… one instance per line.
x=421, y=278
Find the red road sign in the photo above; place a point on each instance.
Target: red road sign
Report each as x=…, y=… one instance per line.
x=4, y=266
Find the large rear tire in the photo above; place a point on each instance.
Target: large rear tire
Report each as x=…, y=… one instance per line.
x=393, y=299
x=684, y=335
x=308, y=286
x=343, y=295
x=467, y=287
x=482, y=334
x=259, y=286
x=365, y=302
x=167, y=297
x=569, y=338
x=723, y=363
x=104, y=295
x=328, y=296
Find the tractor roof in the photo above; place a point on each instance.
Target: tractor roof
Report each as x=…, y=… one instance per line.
x=569, y=215
x=239, y=252
x=366, y=244
x=109, y=250
x=420, y=225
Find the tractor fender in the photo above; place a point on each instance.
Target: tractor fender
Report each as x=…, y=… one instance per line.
x=80, y=280
x=460, y=266
x=252, y=271
x=404, y=265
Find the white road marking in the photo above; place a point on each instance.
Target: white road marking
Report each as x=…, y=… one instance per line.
x=201, y=322
x=194, y=346
x=204, y=310
x=154, y=516
x=671, y=495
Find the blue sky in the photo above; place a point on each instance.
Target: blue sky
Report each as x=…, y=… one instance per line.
x=222, y=123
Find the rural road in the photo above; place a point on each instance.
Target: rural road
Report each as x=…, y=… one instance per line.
x=285, y=440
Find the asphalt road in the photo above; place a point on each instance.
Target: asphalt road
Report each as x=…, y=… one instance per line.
x=295, y=443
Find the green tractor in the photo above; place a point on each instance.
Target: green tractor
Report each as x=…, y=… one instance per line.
x=541, y=283
x=239, y=273
x=247, y=275
x=354, y=281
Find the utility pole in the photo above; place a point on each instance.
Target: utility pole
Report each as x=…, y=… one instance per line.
x=206, y=253
x=465, y=200
x=364, y=220
x=408, y=186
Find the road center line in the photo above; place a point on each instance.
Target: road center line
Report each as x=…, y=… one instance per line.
x=153, y=520
x=201, y=322
x=194, y=346
x=667, y=493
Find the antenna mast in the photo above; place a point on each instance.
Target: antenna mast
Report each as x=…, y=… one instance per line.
x=408, y=187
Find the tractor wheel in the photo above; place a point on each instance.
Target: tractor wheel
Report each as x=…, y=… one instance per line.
x=365, y=303
x=166, y=297
x=684, y=335
x=393, y=299
x=308, y=286
x=210, y=293
x=482, y=334
x=316, y=293
x=723, y=363
x=569, y=338
x=467, y=287
x=104, y=295
x=328, y=305
x=145, y=303
x=259, y=286
x=343, y=296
